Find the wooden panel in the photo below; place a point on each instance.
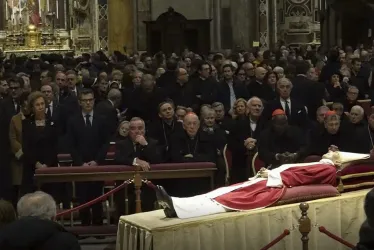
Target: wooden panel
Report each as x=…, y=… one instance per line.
x=120, y=25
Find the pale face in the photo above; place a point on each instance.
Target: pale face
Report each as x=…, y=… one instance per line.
x=240, y=108
x=255, y=108
x=332, y=126
x=61, y=80
x=355, y=116
x=210, y=119
x=166, y=111
x=47, y=91
x=124, y=129
x=137, y=128
x=87, y=102
x=137, y=78
x=191, y=124
x=272, y=80
x=227, y=73
x=284, y=89
x=39, y=106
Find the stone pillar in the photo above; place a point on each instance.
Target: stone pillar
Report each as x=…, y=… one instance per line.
x=263, y=10
x=120, y=25
x=143, y=9
x=218, y=24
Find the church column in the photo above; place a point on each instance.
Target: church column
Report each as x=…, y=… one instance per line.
x=120, y=25
x=218, y=24
x=263, y=10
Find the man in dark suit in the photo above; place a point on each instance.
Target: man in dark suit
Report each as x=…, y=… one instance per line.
x=281, y=143
x=192, y=145
x=9, y=107
x=162, y=129
x=52, y=107
x=229, y=90
x=108, y=109
x=295, y=111
x=307, y=92
x=243, y=140
x=137, y=150
x=88, y=137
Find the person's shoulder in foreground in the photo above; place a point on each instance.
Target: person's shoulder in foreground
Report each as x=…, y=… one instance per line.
x=36, y=228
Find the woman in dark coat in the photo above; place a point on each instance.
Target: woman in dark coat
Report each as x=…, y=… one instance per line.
x=40, y=140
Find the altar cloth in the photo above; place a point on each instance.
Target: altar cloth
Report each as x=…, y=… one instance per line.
x=342, y=215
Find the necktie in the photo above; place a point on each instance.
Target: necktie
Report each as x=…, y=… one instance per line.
x=49, y=113
x=88, y=121
x=287, y=108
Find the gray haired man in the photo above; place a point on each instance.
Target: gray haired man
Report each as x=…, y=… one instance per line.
x=36, y=228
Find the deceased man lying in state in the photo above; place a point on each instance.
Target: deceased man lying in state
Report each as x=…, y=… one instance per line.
x=261, y=191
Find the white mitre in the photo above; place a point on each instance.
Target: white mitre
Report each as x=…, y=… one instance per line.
x=342, y=158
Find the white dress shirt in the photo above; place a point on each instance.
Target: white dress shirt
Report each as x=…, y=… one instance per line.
x=283, y=103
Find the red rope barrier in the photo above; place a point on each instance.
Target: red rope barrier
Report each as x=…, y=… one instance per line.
x=94, y=201
x=149, y=184
x=333, y=236
x=276, y=240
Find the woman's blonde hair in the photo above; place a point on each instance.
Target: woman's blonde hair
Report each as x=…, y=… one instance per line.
x=236, y=103
x=32, y=98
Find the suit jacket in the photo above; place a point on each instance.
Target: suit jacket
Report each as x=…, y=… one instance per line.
x=107, y=110
x=202, y=148
x=240, y=91
x=88, y=144
x=261, y=90
x=270, y=144
x=298, y=116
x=309, y=93
x=126, y=152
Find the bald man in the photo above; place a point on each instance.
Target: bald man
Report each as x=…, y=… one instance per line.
x=256, y=87
x=191, y=144
x=281, y=143
x=356, y=115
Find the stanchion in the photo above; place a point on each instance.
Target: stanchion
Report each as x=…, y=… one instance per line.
x=138, y=185
x=304, y=225
x=334, y=237
x=276, y=240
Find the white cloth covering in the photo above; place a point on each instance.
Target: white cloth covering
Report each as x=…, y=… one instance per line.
x=204, y=204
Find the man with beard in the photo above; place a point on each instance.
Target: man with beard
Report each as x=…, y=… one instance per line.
x=281, y=143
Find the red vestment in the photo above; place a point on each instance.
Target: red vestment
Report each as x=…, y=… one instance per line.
x=259, y=195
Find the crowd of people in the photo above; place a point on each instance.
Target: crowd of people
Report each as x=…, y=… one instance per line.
x=179, y=108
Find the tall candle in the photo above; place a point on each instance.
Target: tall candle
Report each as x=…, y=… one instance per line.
x=48, y=5
x=57, y=9
x=6, y=10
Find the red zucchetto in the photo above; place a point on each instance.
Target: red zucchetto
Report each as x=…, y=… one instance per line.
x=278, y=112
x=330, y=112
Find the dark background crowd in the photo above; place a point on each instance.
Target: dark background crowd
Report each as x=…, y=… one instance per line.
x=282, y=105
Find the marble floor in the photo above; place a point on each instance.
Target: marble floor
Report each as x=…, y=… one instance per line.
x=95, y=244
